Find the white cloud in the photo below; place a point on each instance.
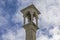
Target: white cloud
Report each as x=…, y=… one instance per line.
x=41, y=4
x=50, y=14
x=56, y=33
x=18, y=17
x=20, y=35
x=42, y=37
x=8, y=36
x=51, y=2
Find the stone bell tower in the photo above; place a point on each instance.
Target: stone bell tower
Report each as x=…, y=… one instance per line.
x=30, y=13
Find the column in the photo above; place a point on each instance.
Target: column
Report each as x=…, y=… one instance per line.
x=37, y=21
x=24, y=20
x=31, y=17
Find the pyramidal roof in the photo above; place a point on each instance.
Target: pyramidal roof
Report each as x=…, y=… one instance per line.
x=31, y=6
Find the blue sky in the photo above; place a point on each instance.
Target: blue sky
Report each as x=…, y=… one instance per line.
x=11, y=19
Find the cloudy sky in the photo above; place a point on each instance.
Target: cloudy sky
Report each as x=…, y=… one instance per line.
x=11, y=19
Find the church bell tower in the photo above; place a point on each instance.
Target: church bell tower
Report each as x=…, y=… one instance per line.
x=31, y=27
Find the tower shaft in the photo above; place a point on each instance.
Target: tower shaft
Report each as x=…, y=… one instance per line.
x=30, y=31
x=30, y=35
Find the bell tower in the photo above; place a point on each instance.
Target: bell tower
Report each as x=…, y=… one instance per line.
x=31, y=27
